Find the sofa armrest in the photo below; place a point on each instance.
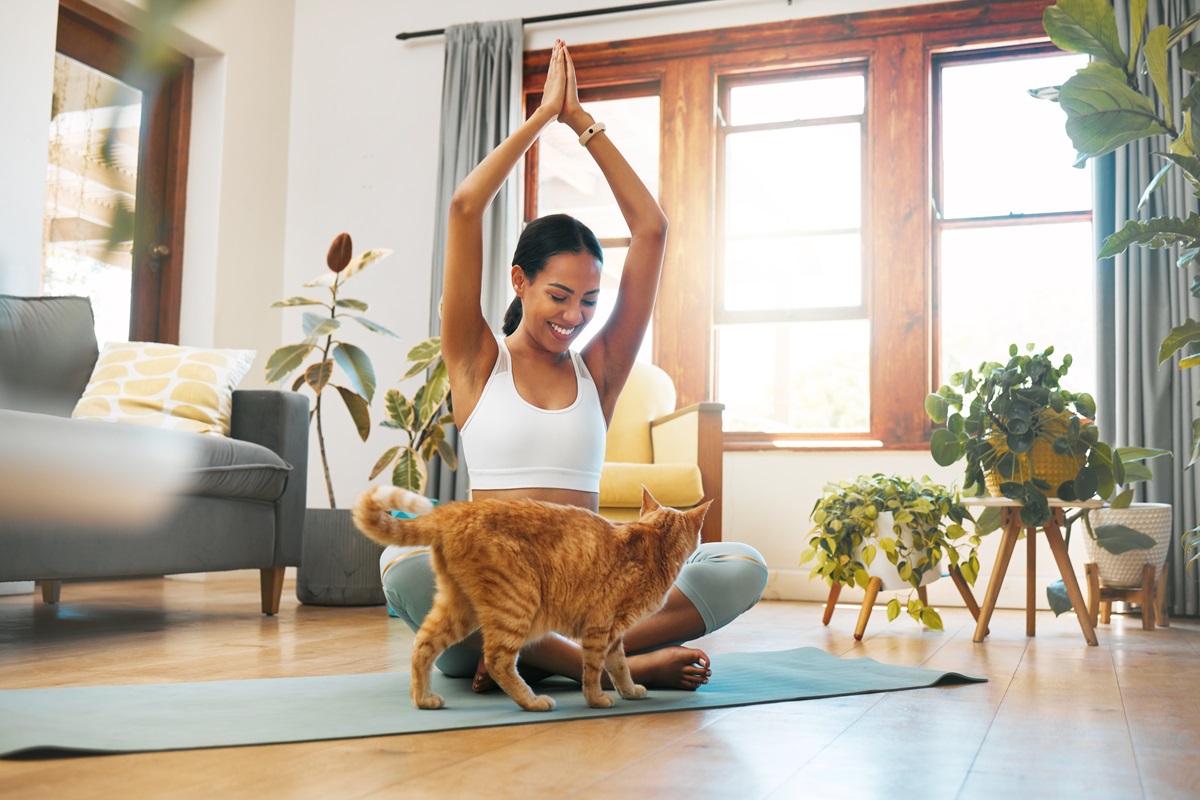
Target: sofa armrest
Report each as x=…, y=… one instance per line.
x=693, y=434
x=279, y=421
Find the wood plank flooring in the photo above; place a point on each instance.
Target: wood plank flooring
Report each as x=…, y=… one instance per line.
x=1056, y=718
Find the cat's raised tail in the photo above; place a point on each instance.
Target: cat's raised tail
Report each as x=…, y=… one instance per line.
x=373, y=516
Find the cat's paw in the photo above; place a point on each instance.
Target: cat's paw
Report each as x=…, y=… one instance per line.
x=539, y=703
x=635, y=692
x=602, y=700
x=429, y=702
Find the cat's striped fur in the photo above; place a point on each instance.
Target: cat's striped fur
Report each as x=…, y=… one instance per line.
x=519, y=569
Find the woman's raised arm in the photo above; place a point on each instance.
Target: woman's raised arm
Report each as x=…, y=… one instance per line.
x=611, y=353
x=467, y=344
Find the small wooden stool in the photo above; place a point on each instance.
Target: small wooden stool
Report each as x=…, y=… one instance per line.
x=1151, y=595
x=873, y=588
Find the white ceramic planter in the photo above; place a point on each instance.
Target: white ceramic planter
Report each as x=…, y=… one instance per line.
x=884, y=569
x=1125, y=570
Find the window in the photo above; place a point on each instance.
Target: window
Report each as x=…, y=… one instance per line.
x=789, y=267
x=828, y=230
x=569, y=182
x=1014, y=215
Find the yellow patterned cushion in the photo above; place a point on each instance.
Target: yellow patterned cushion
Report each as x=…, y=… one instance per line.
x=164, y=386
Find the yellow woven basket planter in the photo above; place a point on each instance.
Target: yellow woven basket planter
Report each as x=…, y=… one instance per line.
x=1040, y=462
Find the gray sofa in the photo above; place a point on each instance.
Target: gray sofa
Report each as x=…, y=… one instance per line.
x=89, y=499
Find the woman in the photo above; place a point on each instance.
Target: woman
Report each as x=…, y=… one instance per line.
x=533, y=414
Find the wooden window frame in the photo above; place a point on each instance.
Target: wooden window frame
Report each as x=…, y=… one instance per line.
x=898, y=45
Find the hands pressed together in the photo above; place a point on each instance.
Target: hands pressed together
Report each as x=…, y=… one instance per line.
x=560, y=96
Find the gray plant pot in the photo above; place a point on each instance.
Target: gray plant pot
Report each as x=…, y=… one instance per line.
x=339, y=566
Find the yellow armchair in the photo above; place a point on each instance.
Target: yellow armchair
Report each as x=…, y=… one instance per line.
x=675, y=453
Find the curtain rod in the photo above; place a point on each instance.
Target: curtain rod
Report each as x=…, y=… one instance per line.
x=571, y=15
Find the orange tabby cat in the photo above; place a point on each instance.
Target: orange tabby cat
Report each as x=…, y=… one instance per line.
x=519, y=569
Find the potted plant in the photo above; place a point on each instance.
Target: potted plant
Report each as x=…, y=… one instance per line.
x=1123, y=536
x=1021, y=435
x=338, y=565
x=1026, y=438
x=915, y=522
x=423, y=420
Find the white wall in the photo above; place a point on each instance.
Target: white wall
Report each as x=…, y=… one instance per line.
x=27, y=51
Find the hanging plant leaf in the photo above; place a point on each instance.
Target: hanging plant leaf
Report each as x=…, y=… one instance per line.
x=1118, y=539
x=1057, y=597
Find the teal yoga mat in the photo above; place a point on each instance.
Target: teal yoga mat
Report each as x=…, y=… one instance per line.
x=179, y=716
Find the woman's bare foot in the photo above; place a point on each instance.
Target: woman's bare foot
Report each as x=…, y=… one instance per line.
x=671, y=668
x=484, y=683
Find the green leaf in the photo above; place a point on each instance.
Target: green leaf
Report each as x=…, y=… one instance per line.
x=1154, y=184
x=317, y=376
x=346, y=302
x=1123, y=500
x=358, y=409
x=1137, y=25
x=893, y=609
x=1179, y=338
x=316, y=326
x=1103, y=113
x=944, y=447
x=1155, y=232
x=446, y=451
x=286, y=360
x=1086, y=26
x=297, y=301
x=1195, y=442
x=936, y=407
x=988, y=520
x=1057, y=597
x=1189, y=59
x=398, y=408
x=1183, y=29
x=407, y=474
x=372, y=326
x=1118, y=539
x=931, y=619
x=357, y=365
x=1156, y=64
x=383, y=462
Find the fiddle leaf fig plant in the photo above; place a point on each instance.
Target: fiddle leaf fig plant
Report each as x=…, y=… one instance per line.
x=322, y=339
x=422, y=419
x=846, y=539
x=1107, y=106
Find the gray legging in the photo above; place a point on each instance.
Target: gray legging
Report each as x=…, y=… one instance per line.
x=723, y=580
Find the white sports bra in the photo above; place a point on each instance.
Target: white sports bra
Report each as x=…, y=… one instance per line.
x=509, y=443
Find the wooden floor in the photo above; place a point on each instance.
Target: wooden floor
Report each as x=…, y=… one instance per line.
x=1056, y=719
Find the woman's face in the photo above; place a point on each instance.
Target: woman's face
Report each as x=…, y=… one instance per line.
x=560, y=300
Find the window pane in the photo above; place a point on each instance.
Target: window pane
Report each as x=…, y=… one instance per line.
x=1017, y=285
x=1003, y=151
x=818, y=271
x=85, y=188
x=569, y=182
x=799, y=179
x=806, y=98
x=808, y=376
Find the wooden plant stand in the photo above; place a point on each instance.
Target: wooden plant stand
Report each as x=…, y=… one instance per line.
x=1151, y=595
x=875, y=585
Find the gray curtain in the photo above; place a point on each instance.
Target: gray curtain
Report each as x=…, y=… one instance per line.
x=1140, y=296
x=481, y=105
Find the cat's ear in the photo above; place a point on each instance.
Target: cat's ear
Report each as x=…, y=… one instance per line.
x=696, y=515
x=648, y=502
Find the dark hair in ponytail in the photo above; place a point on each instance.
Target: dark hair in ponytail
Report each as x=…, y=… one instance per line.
x=542, y=239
